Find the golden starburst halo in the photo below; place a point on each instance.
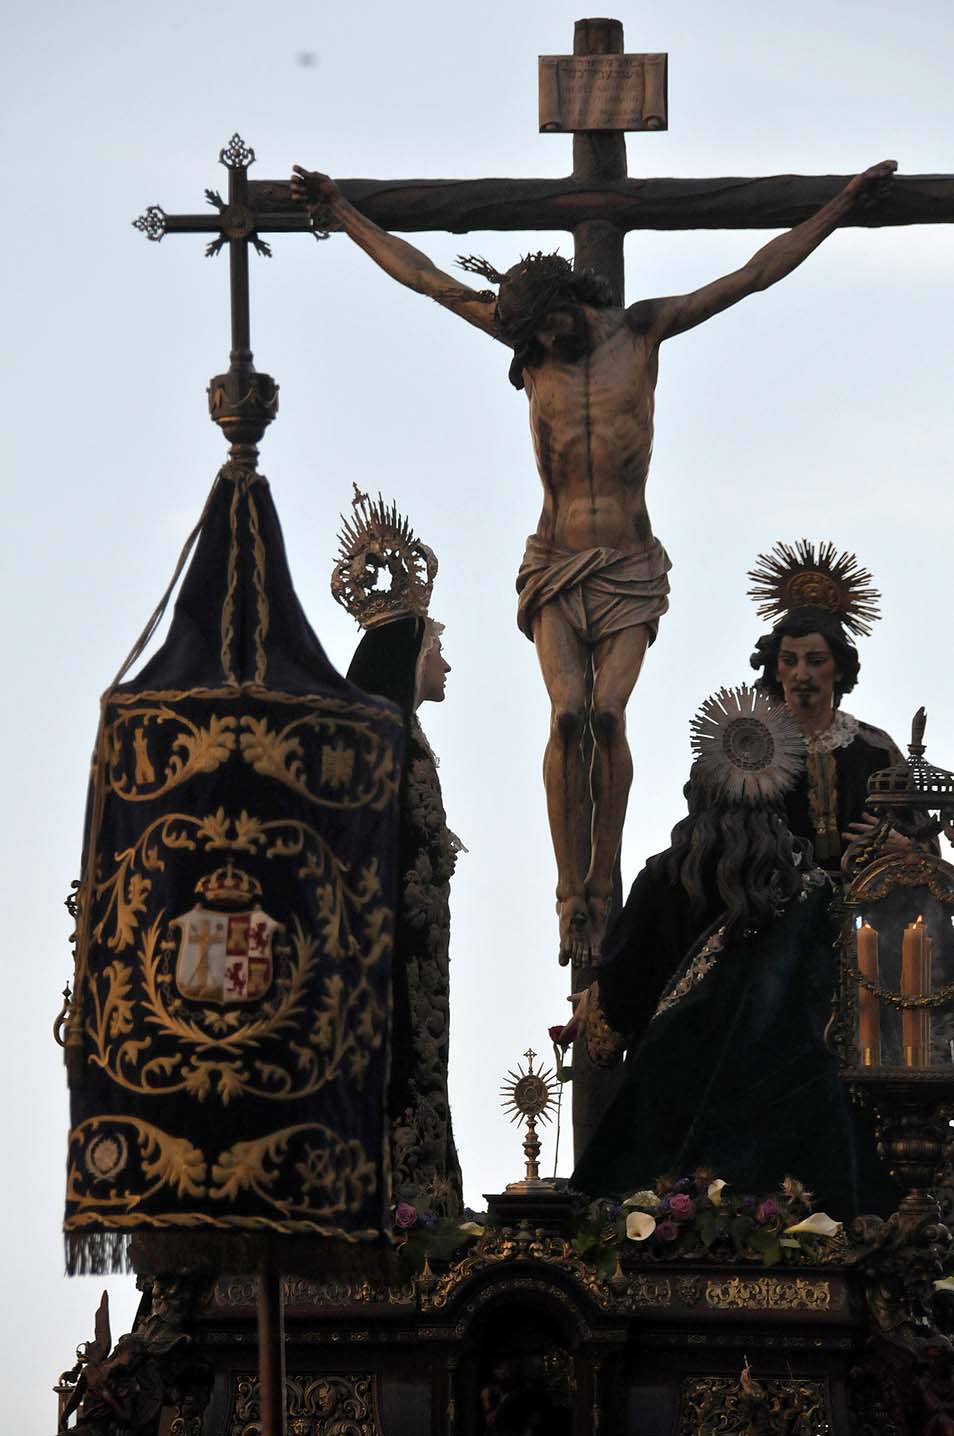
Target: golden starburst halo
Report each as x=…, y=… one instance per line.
x=794, y=576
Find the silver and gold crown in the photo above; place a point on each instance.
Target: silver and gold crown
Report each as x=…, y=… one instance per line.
x=383, y=571
x=745, y=750
x=795, y=576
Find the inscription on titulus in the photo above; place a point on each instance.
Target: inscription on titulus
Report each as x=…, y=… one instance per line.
x=603, y=92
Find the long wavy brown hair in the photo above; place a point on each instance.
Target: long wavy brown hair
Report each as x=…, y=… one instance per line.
x=740, y=855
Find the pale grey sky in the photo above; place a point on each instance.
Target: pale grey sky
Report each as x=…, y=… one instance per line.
x=820, y=408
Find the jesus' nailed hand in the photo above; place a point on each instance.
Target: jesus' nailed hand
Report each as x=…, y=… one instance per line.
x=593, y=582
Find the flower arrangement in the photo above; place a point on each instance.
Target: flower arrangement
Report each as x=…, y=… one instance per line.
x=702, y=1216
x=422, y=1234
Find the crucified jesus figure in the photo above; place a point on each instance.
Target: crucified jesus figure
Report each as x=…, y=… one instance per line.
x=593, y=583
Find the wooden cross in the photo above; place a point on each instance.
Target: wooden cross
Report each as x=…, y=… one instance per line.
x=598, y=203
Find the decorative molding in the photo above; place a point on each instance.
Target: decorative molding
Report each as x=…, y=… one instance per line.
x=768, y=1293
x=317, y=1405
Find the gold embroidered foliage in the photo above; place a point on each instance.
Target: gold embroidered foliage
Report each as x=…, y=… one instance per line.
x=331, y=1175
x=166, y=1161
x=274, y=755
x=194, y=750
x=229, y=1054
x=133, y=764
x=279, y=754
x=173, y=1161
x=335, y=1175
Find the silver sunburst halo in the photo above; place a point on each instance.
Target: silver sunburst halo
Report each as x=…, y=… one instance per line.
x=745, y=750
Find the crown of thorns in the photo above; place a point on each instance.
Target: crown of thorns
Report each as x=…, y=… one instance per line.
x=794, y=576
x=745, y=750
x=531, y=266
x=383, y=571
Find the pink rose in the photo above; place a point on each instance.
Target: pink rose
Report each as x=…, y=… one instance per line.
x=681, y=1206
x=666, y=1231
x=405, y=1216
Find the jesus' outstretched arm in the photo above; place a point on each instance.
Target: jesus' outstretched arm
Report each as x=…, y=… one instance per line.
x=771, y=263
x=330, y=210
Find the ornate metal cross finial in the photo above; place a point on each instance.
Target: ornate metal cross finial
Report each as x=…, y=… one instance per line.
x=242, y=402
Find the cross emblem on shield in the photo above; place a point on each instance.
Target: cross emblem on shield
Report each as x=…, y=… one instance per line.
x=224, y=957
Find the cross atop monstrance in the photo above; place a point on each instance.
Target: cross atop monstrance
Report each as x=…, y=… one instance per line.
x=593, y=350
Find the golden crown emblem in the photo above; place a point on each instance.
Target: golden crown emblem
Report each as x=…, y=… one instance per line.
x=383, y=572
x=229, y=885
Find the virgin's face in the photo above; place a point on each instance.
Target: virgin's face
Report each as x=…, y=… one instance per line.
x=808, y=673
x=434, y=671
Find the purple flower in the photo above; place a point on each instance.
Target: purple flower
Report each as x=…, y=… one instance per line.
x=613, y=1210
x=681, y=1206
x=748, y=1204
x=427, y=1219
x=664, y=1204
x=405, y=1216
x=767, y=1211
x=666, y=1231
x=684, y=1184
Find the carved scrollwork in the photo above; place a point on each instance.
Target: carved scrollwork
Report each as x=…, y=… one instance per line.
x=914, y=867
x=768, y=1293
x=718, y=1403
x=316, y=1405
x=303, y=1292
x=508, y=1244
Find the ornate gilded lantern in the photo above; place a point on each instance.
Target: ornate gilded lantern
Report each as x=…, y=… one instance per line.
x=895, y=1024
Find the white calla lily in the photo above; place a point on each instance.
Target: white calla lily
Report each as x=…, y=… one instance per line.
x=819, y=1224
x=639, y=1226
x=473, y=1229
x=714, y=1191
x=946, y=1283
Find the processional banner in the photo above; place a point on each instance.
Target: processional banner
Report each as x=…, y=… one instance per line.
x=228, y=1038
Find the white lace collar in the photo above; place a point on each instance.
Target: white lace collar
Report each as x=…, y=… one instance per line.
x=842, y=730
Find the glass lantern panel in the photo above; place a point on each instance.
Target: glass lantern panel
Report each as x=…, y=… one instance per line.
x=904, y=943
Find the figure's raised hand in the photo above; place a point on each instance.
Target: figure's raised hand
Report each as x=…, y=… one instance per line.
x=873, y=182
x=318, y=193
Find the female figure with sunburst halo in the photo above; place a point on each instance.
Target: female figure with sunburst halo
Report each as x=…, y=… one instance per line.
x=727, y=1064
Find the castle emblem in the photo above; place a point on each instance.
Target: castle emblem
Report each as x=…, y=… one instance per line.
x=225, y=957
